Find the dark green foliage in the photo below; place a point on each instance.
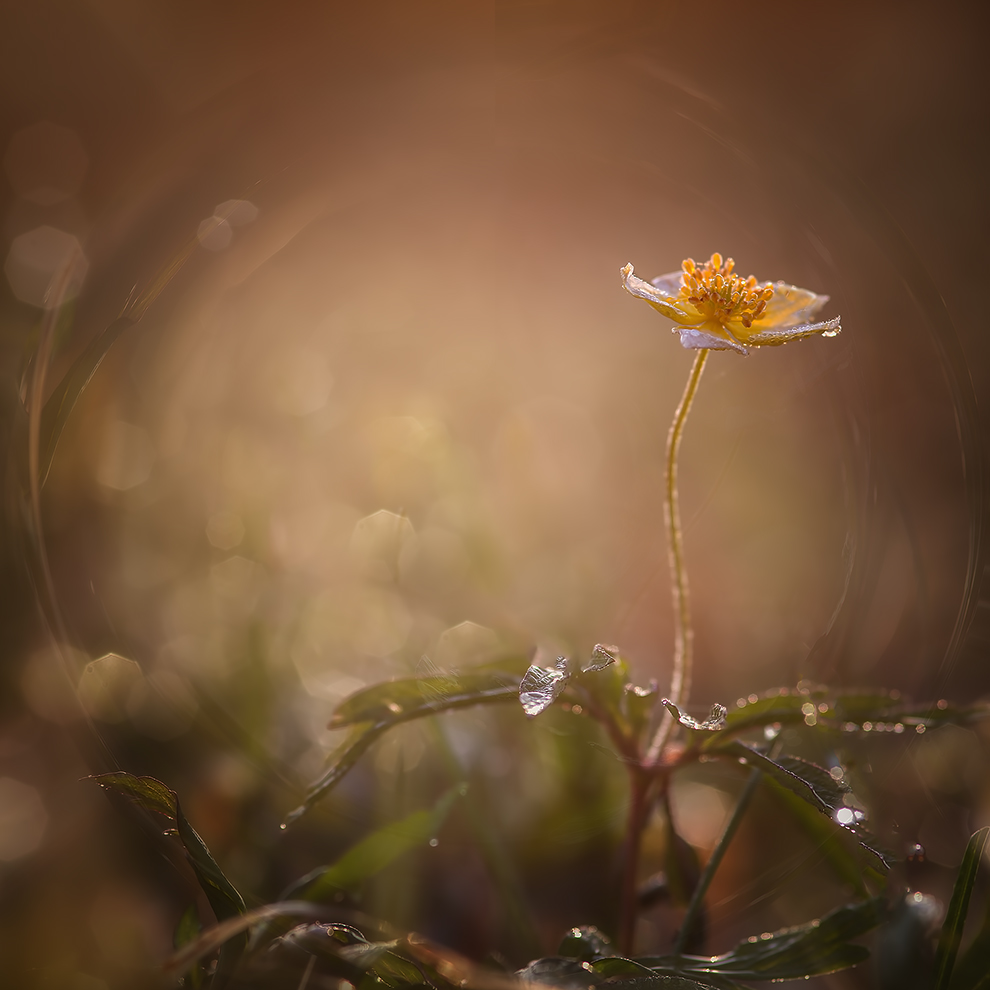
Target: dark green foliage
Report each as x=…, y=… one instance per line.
x=821, y=946
x=154, y=797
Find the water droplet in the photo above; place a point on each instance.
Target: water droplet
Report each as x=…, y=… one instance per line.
x=740, y=702
x=282, y=826
x=540, y=688
x=867, y=726
x=766, y=936
x=919, y=729
x=835, y=773
x=808, y=708
x=845, y=816
x=898, y=728
x=753, y=698
x=941, y=704
x=810, y=720
x=823, y=707
x=434, y=842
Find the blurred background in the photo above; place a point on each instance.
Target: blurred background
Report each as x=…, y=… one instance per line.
x=397, y=405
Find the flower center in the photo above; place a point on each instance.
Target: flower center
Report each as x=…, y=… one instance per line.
x=714, y=291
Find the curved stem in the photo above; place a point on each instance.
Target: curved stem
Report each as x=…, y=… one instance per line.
x=680, y=681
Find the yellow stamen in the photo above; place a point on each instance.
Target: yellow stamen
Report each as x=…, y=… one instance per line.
x=721, y=296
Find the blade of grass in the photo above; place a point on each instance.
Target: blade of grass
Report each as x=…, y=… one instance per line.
x=955, y=917
x=718, y=854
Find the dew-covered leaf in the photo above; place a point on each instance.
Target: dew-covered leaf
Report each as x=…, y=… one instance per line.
x=153, y=796
x=339, y=764
x=812, y=784
x=617, y=967
x=819, y=947
x=826, y=836
x=559, y=971
x=955, y=916
x=415, y=697
x=585, y=942
x=714, y=723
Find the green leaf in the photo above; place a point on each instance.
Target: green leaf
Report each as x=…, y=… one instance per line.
x=814, y=949
x=374, y=710
x=153, y=796
x=373, y=853
x=955, y=917
x=812, y=783
x=339, y=764
x=622, y=974
x=415, y=697
x=826, y=836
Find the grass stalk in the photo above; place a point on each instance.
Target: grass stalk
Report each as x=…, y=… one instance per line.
x=718, y=854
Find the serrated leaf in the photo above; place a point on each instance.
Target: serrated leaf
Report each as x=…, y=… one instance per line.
x=826, y=836
x=809, y=782
x=955, y=917
x=781, y=707
x=819, y=947
x=672, y=981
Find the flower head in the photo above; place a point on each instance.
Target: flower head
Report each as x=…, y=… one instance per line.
x=713, y=307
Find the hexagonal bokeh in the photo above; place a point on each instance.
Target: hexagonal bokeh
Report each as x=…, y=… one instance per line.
x=35, y=260
x=45, y=163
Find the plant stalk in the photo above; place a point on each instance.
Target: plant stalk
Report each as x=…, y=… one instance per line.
x=680, y=680
x=639, y=810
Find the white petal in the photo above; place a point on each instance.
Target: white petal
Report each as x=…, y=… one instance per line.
x=635, y=286
x=829, y=328
x=669, y=284
x=691, y=338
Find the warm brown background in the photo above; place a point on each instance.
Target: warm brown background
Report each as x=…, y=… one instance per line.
x=425, y=317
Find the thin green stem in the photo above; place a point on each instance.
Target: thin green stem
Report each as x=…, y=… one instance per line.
x=680, y=681
x=707, y=875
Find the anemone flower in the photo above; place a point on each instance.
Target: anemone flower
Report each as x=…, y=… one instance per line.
x=715, y=309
